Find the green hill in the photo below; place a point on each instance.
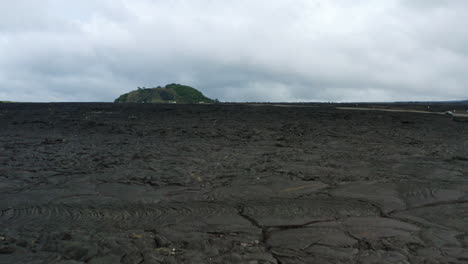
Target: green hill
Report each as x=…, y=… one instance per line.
x=171, y=93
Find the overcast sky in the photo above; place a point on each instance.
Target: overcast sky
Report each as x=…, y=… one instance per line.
x=243, y=50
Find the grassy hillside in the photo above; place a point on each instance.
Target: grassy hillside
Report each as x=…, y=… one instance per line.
x=171, y=93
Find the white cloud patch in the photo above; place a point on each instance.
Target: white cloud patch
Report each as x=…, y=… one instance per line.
x=288, y=50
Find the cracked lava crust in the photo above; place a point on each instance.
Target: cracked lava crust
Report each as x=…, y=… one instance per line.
x=127, y=183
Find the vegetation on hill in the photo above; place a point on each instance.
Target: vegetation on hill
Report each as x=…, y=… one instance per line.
x=171, y=93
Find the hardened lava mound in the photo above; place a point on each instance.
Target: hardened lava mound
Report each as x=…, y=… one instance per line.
x=233, y=183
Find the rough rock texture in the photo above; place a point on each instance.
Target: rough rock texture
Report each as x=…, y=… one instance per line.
x=117, y=183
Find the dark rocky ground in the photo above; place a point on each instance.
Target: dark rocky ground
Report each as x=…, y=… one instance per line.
x=113, y=183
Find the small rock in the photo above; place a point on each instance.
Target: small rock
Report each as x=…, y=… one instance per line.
x=66, y=236
x=136, y=236
x=7, y=250
x=161, y=241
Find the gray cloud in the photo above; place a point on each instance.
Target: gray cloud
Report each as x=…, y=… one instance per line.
x=288, y=50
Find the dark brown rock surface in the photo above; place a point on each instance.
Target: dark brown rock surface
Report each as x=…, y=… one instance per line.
x=113, y=183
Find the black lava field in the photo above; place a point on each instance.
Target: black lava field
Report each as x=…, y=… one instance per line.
x=231, y=183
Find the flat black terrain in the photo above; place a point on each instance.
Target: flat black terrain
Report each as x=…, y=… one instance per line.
x=141, y=183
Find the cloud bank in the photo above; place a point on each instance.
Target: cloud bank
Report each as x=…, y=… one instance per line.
x=257, y=50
